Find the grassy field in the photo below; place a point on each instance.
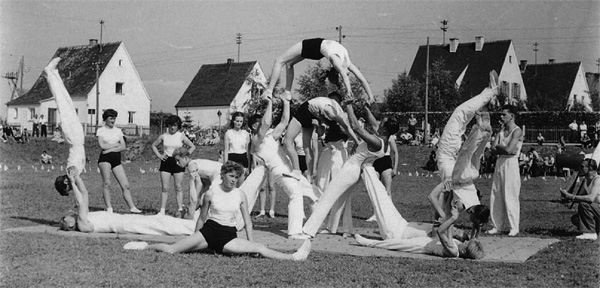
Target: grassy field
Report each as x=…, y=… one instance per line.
x=37, y=260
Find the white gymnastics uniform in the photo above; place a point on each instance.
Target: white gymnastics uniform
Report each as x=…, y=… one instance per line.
x=331, y=159
x=338, y=187
x=69, y=121
x=506, y=188
x=172, y=142
x=466, y=169
x=329, y=48
x=450, y=141
x=279, y=166
x=106, y=222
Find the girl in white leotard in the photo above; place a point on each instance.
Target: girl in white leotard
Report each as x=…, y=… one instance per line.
x=235, y=143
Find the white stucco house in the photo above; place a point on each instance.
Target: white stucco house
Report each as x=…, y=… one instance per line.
x=220, y=88
x=565, y=82
x=470, y=64
x=119, y=85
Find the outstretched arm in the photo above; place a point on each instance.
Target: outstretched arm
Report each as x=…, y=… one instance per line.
x=435, y=198
x=285, y=119
x=336, y=62
x=373, y=141
x=82, y=197
x=363, y=81
x=445, y=232
x=265, y=124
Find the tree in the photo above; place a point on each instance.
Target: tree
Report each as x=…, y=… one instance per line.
x=404, y=95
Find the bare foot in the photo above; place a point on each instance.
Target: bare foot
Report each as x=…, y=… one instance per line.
x=483, y=121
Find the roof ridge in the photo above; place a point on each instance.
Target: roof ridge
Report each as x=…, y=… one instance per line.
x=88, y=46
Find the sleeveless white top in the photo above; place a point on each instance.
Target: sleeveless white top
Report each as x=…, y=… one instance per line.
x=274, y=158
x=329, y=48
x=172, y=142
x=318, y=104
x=237, y=140
x=224, y=206
x=504, y=141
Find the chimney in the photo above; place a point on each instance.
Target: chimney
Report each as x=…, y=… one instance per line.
x=93, y=42
x=551, y=61
x=479, y=40
x=523, y=65
x=453, y=45
x=230, y=60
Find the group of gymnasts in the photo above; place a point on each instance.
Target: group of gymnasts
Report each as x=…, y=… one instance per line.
x=225, y=206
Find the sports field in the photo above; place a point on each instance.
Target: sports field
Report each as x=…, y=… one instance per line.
x=45, y=260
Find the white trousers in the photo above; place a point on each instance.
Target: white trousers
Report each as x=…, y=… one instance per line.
x=69, y=121
x=331, y=160
x=450, y=141
x=250, y=188
x=466, y=169
x=338, y=187
x=506, y=188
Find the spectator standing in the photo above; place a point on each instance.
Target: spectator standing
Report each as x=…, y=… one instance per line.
x=540, y=139
x=573, y=132
x=582, y=128
x=412, y=125
x=593, y=134
x=43, y=126
x=36, y=126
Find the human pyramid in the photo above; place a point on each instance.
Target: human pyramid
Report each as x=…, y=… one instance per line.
x=224, y=207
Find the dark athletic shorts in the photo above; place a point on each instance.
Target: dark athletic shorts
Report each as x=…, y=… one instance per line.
x=217, y=235
x=311, y=49
x=382, y=164
x=170, y=166
x=241, y=159
x=302, y=160
x=114, y=158
x=304, y=116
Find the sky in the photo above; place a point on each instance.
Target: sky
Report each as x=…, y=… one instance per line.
x=168, y=41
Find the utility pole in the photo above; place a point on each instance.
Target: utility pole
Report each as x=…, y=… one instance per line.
x=340, y=36
x=598, y=64
x=97, y=68
x=238, y=41
x=535, y=50
x=427, y=94
x=101, y=24
x=444, y=28
x=21, y=67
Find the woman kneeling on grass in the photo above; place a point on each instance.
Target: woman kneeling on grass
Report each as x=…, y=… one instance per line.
x=218, y=231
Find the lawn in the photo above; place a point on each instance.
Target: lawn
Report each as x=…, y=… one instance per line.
x=37, y=260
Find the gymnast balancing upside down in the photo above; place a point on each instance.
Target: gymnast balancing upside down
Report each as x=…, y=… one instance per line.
x=102, y=221
x=217, y=230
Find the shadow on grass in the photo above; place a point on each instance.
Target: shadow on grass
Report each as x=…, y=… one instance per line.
x=552, y=232
x=39, y=221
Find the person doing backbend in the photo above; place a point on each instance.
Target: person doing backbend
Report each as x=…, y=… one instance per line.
x=315, y=49
x=215, y=228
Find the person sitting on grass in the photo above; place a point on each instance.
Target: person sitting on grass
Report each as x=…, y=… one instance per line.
x=587, y=218
x=215, y=228
x=45, y=158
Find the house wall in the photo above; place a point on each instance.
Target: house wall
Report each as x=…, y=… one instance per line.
x=580, y=88
x=244, y=94
x=511, y=73
x=23, y=116
x=133, y=98
x=205, y=116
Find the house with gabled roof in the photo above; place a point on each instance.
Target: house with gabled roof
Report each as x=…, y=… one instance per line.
x=220, y=89
x=470, y=63
x=119, y=85
x=562, y=83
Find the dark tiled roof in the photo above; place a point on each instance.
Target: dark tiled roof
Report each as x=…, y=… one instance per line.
x=76, y=70
x=550, y=80
x=216, y=84
x=476, y=78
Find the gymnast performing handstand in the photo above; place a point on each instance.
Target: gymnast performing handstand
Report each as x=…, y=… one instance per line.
x=101, y=221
